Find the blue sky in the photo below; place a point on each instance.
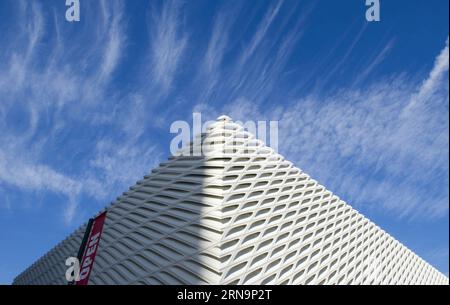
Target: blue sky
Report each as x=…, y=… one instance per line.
x=85, y=108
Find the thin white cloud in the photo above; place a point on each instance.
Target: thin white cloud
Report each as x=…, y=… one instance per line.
x=330, y=72
x=32, y=30
x=28, y=175
x=375, y=62
x=168, y=43
x=218, y=43
x=435, y=78
x=114, y=38
x=261, y=32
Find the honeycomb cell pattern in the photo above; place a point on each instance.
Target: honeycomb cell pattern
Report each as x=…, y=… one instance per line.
x=237, y=214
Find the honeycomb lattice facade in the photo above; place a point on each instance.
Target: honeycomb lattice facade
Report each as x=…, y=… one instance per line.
x=238, y=214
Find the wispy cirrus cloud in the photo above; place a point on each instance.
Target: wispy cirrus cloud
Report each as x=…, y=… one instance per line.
x=32, y=176
x=168, y=43
x=114, y=37
x=374, y=62
x=261, y=31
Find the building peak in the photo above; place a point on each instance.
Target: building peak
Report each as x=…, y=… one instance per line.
x=224, y=118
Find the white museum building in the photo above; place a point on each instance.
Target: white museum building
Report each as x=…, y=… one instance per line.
x=240, y=214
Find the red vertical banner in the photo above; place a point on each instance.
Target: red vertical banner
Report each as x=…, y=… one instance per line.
x=87, y=263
